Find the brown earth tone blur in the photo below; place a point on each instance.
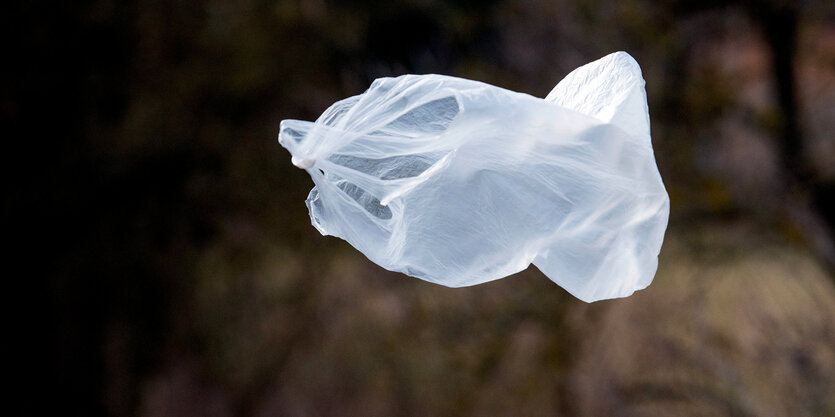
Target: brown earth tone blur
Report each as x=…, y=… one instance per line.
x=162, y=262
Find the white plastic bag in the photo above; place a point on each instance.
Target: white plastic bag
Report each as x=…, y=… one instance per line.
x=459, y=182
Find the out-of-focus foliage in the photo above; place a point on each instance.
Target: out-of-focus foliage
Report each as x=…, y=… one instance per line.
x=175, y=271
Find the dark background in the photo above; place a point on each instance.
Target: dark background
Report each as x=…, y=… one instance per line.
x=160, y=261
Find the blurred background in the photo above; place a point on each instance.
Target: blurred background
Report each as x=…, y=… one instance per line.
x=161, y=261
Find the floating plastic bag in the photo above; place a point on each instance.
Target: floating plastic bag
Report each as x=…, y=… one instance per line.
x=459, y=182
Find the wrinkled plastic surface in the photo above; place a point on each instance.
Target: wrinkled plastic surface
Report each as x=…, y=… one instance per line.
x=459, y=182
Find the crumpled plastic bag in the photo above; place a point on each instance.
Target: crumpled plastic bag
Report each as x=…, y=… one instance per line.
x=459, y=182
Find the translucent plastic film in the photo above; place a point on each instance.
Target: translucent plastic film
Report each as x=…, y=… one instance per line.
x=459, y=182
